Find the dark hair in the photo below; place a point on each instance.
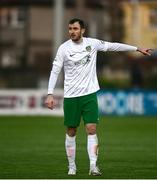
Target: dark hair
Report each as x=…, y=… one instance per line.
x=80, y=21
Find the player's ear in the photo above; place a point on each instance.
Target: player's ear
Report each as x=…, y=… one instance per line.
x=83, y=31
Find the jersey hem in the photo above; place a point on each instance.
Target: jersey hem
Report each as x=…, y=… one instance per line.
x=82, y=94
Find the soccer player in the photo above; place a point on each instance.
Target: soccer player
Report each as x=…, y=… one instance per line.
x=78, y=58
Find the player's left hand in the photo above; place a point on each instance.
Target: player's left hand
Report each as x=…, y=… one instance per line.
x=145, y=51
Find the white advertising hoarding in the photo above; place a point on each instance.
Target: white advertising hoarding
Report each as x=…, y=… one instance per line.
x=29, y=102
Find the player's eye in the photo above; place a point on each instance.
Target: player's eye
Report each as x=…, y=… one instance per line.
x=75, y=28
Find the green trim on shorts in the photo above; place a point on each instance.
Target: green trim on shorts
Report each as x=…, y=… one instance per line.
x=77, y=107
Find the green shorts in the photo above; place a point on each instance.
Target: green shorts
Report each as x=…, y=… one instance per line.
x=77, y=107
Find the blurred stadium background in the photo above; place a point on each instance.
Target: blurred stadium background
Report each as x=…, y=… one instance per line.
x=30, y=32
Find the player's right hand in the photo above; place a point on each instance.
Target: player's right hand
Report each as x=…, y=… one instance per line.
x=49, y=102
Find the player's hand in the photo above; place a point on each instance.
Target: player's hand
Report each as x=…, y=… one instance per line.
x=145, y=51
x=49, y=102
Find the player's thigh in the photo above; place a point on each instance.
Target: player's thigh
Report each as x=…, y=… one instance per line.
x=72, y=113
x=90, y=109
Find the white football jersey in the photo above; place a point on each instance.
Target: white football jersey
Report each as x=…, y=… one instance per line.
x=79, y=62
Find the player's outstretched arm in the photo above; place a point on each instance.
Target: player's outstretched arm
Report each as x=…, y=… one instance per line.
x=145, y=51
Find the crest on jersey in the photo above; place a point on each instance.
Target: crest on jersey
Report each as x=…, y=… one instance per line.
x=88, y=48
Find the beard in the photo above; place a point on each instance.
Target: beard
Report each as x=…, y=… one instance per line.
x=76, y=38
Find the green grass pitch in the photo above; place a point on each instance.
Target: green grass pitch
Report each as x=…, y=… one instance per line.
x=33, y=148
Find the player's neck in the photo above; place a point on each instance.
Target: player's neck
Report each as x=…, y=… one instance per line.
x=79, y=41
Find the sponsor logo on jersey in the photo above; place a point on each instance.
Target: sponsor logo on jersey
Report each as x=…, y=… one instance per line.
x=83, y=61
